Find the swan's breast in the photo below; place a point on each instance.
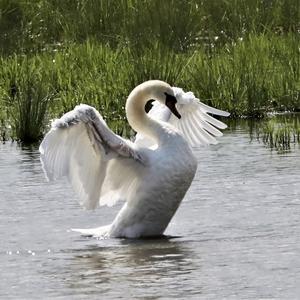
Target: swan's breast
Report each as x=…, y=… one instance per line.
x=171, y=170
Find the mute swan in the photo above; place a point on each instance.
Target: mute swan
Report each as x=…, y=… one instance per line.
x=151, y=174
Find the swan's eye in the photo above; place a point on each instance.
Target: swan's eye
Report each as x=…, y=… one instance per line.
x=171, y=104
x=149, y=105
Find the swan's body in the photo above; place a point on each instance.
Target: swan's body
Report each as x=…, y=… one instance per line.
x=164, y=182
x=152, y=174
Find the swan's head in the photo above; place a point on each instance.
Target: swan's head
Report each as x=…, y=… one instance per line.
x=162, y=92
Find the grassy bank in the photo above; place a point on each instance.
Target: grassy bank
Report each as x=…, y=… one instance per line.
x=240, y=56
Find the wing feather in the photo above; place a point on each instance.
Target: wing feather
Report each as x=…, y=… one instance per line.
x=209, y=128
x=212, y=110
x=193, y=130
x=202, y=134
x=212, y=120
x=81, y=147
x=187, y=132
x=198, y=127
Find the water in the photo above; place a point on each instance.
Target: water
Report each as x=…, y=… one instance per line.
x=235, y=236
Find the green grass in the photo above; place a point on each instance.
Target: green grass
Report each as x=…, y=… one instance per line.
x=240, y=56
x=24, y=96
x=280, y=133
x=27, y=25
x=254, y=76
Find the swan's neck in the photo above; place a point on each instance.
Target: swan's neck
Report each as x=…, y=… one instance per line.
x=136, y=115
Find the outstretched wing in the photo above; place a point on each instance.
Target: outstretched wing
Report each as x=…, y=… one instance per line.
x=96, y=161
x=196, y=124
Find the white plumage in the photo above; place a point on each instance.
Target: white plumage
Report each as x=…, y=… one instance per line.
x=151, y=174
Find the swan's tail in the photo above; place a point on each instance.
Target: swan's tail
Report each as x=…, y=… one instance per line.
x=99, y=232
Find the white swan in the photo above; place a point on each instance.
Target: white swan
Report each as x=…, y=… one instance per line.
x=151, y=174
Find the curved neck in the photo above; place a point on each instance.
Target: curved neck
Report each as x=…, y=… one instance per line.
x=136, y=115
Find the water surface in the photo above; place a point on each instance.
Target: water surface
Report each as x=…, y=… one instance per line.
x=235, y=236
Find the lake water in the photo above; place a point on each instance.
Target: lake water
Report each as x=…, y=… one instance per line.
x=235, y=236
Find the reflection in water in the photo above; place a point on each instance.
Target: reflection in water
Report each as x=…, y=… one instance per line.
x=145, y=265
x=279, y=132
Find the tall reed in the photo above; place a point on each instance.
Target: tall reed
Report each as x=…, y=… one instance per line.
x=280, y=134
x=250, y=77
x=26, y=96
x=46, y=24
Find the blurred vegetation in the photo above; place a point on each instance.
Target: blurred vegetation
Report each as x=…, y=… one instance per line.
x=281, y=135
x=238, y=55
